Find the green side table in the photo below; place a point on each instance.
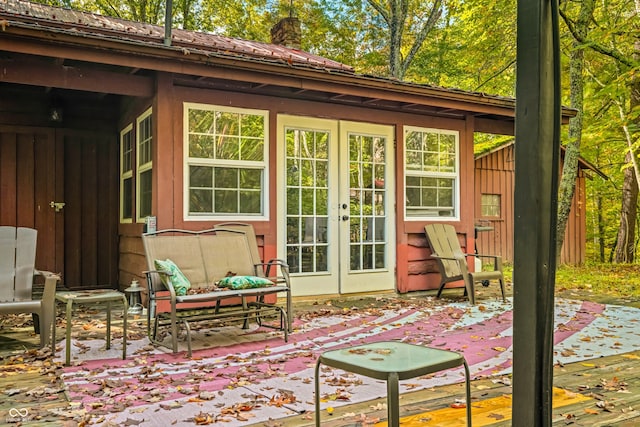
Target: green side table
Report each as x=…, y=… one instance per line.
x=106, y=296
x=391, y=361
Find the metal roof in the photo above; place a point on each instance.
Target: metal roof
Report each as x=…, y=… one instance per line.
x=90, y=23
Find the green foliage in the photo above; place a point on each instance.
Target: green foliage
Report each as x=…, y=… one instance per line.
x=615, y=280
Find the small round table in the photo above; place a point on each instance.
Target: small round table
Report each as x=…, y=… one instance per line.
x=92, y=297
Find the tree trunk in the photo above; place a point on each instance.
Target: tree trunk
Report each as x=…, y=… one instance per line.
x=626, y=243
x=572, y=149
x=625, y=246
x=600, y=226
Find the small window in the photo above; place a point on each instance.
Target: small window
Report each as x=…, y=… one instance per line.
x=126, y=174
x=226, y=162
x=490, y=205
x=144, y=152
x=431, y=173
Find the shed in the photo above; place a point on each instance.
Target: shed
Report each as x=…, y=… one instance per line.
x=494, y=195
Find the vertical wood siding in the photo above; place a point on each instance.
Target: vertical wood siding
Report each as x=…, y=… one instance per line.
x=494, y=174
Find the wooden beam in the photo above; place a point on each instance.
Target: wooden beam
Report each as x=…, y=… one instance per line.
x=53, y=74
x=537, y=151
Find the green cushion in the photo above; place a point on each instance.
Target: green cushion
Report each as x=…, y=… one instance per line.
x=244, y=282
x=177, y=279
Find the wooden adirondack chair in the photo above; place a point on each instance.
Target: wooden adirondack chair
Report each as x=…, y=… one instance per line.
x=17, y=272
x=452, y=262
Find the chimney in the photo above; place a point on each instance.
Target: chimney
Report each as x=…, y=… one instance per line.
x=287, y=32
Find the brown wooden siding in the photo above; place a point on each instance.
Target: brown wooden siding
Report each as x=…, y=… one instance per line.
x=494, y=174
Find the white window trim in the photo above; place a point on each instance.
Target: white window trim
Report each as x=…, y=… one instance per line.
x=144, y=167
x=455, y=176
x=196, y=161
x=128, y=174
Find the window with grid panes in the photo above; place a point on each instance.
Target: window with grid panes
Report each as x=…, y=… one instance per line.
x=126, y=174
x=144, y=137
x=431, y=173
x=226, y=162
x=490, y=204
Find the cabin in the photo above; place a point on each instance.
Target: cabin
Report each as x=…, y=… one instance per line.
x=109, y=126
x=494, y=212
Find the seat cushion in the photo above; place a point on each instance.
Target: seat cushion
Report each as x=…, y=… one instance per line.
x=176, y=277
x=244, y=282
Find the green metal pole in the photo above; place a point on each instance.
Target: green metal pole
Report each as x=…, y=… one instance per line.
x=536, y=169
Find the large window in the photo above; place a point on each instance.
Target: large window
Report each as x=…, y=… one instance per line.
x=144, y=137
x=431, y=173
x=226, y=162
x=126, y=174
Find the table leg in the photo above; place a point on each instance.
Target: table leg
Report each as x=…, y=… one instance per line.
x=393, y=400
x=468, y=392
x=317, y=393
x=68, y=333
x=124, y=327
x=108, y=325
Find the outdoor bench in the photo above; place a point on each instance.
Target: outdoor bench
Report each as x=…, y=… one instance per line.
x=205, y=258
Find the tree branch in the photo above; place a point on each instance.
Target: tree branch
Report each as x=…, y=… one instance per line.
x=496, y=74
x=381, y=10
x=434, y=15
x=612, y=53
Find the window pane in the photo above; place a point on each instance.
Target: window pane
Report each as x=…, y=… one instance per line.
x=127, y=198
x=201, y=146
x=201, y=121
x=145, y=194
x=144, y=141
x=250, y=202
x=226, y=201
x=252, y=125
x=292, y=201
x=413, y=141
x=227, y=148
x=308, y=207
x=322, y=207
x=322, y=173
x=226, y=178
x=200, y=176
x=252, y=149
x=127, y=149
x=413, y=160
x=200, y=201
x=322, y=145
x=251, y=178
x=227, y=123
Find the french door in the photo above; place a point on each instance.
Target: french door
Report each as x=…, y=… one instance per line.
x=335, y=205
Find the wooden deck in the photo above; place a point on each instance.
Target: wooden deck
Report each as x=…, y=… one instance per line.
x=30, y=384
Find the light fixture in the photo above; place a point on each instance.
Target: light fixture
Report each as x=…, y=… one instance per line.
x=55, y=114
x=135, y=298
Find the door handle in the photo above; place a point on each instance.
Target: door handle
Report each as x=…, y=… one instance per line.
x=57, y=205
x=345, y=217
